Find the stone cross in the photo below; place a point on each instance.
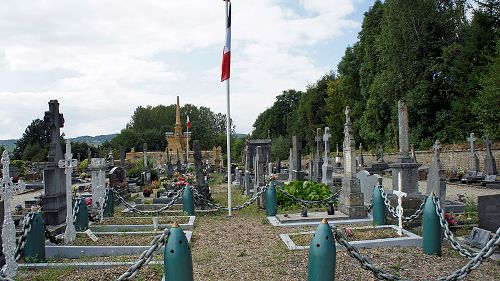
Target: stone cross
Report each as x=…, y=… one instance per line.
x=327, y=168
x=471, y=140
x=361, y=159
x=68, y=164
x=437, y=149
x=318, y=140
x=399, y=209
x=404, y=145
x=7, y=189
x=145, y=154
x=326, y=140
x=349, y=148
x=488, y=143
x=435, y=178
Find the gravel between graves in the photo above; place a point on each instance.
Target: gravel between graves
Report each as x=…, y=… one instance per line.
x=141, y=220
x=247, y=247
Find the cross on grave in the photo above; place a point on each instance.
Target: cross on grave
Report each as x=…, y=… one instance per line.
x=471, y=140
x=399, y=209
x=7, y=189
x=488, y=144
x=437, y=148
x=68, y=163
x=318, y=140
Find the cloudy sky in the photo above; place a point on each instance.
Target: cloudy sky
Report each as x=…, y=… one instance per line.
x=103, y=58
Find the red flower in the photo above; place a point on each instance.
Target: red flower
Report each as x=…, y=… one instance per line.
x=88, y=201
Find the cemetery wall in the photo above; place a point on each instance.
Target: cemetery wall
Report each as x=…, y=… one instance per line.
x=450, y=159
x=160, y=157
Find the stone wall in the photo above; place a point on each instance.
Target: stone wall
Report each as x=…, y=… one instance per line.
x=160, y=157
x=450, y=159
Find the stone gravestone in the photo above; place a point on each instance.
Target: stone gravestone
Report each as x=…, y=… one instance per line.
x=97, y=168
x=201, y=185
x=488, y=211
x=404, y=164
x=297, y=173
x=413, y=155
x=490, y=166
x=290, y=165
x=259, y=174
x=318, y=161
x=327, y=168
x=2, y=256
x=248, y=184
x=118, y=178
x=367, y=182
x=436, y=181
x=146, y=172
x=351, y=201
x=122, y=156
x=473, y=159
x=54, y=200
x=361, y=159
x=337, y=158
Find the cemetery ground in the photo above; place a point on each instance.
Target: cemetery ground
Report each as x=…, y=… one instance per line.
x=247, y=247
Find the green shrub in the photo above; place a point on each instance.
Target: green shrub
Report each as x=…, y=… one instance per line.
x=306, y=190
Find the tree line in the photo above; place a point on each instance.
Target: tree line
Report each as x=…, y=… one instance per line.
x=442, y=57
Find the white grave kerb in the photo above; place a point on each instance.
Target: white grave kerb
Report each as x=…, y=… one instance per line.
x=8, y=188
x=68, y=164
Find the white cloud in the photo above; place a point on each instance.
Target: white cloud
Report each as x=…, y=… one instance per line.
x=122, y=54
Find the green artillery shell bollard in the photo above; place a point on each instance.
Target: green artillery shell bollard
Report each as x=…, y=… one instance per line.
x=431, y=229
x=34, y=249
x=187, y=201
x=82, y=217
x=378, y=207
x=322, y=254
x=177, y=260
x=271, y=199
x=109, y=209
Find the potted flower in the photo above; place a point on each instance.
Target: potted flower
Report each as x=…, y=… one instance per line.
x=146, y=192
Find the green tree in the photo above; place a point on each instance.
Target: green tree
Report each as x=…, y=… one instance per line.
x=37, y=137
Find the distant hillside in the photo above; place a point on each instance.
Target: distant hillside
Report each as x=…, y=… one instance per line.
x=95, y=141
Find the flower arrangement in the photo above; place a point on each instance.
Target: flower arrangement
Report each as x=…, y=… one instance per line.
x=348, y=231
x=88, y=201
x=450, y=219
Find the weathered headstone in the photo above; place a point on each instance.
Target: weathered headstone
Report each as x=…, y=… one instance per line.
x=201, y=185
x=110, y=159
x=290, y=165
x=436, y=181
x=122, y=156
x=68, y=164
x=479, y=237
x=89, y=154
x=54, y=200
x=361, y=159
x=367, y=182
x=259, y=174
x=490, y=165
x=327, y=168
x=97, y=168
x=297, y=173
x=488, y=211
x=413, y=155
x=404, y=164
x=473, y=159
x=146, y=171
x=351, y=198
x=318, y=160
x=248, y=184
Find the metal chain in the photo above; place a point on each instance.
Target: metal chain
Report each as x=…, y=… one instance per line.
x=76, y=208
x=146, y=256
x=447, y=232
x=3, y=277
x=21, y=242
x=159, y=211
x=485, y=252
x=393, y=212
x=365, y=263
x=209, y=203
x=369, y=207
x=303, y=202
x=51, y=236
x=239, y=207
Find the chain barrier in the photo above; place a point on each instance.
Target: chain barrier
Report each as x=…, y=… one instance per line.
x=447, y=232
x=369, y=207
x=51, y=236
x=152, y=212
x=303, y=202
x=146, y=256
x=393, y=212
x=485, y=252
x=364, y=261
x=21, y=242
x=236, y=208
x=3, y=277
x=76, y=208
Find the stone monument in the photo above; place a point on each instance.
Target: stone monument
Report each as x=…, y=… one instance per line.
x=54, y=200
x=404, y=163
x=361, y=159
x=318, y=161
x=290, y=165
x=327, y=168
x=97, y=169
x=351, y=201
x=297, y=173
x=436, y=181
x=248, y=184
x=68, y=163
x=176, y=140
x=201, y=185
x=490, y=165
x=473, y=159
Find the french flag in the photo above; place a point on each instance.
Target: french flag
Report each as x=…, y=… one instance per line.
x=188, y=123
x=226, y=55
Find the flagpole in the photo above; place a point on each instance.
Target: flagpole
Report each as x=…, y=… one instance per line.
x=187, y=146
x=228, y=133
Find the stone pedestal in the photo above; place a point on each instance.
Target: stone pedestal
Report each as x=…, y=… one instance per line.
x=351, y=199
x=409, y=175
